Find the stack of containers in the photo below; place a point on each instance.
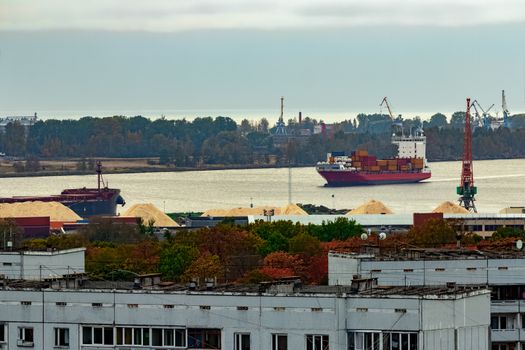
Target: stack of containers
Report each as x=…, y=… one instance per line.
x=403, y=164
x=417, y=163
x=392, y=165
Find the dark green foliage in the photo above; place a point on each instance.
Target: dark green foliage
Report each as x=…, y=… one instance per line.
x=506, y=232
x=175, y=259
x=182, y=143
x=340, y=229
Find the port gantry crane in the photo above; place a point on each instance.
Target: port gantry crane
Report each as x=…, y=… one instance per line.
x=396, y=124
x=466, y=189
x=281, y=126
x=486, y=118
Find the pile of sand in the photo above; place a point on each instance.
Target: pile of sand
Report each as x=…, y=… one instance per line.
x=147, y=212
x=54, y=210
x=450, y=208
x=371, y=207
x=290, y=209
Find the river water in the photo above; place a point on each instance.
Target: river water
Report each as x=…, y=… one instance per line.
x=501, y=183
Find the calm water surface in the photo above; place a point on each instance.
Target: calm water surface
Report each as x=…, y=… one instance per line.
x=501, y=183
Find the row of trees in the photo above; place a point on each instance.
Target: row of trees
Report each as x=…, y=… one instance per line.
x=258, y=252
x=221, y=141
x=261, y=251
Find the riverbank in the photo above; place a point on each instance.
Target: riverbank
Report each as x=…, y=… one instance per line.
x=65, y=167
x=126, y=168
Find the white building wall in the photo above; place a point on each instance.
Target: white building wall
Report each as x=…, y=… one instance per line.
x=342, y=267
x=296, y=315
x=35, y=265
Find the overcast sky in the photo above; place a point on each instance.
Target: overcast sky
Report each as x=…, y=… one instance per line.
x=159, y=57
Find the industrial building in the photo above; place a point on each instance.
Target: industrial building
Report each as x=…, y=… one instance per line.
x=502, y=272
x=274, y=316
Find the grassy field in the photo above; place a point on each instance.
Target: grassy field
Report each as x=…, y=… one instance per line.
x=72, y=166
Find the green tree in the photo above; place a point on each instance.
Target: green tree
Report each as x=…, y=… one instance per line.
x=339, y=229
x=274, y=242
x=458, y=120
x=305, y=246
x=438, y=120
x=206, y=266
x=433, y=234
x=506, y=232
x=14, y=139
x=175, y=260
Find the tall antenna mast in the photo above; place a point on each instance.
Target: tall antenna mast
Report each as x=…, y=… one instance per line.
x=466, y=188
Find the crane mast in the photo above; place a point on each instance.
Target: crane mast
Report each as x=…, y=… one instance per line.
x=505, y=109
x=466, y=189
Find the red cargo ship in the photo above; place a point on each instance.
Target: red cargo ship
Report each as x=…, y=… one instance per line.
x=360, y=168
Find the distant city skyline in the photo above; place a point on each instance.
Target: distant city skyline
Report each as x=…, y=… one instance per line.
x=159, y=57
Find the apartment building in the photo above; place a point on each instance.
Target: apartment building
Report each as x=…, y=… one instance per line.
x=502, y=272
x=276, y=316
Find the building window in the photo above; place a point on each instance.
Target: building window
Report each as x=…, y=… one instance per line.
x=168, y=337
x=317, y=342
x=204, y=338
x=492, y=227
x=97, y=335
x=242, y=341
x=3, y=337
x=400, y=341
x=502, y=322
x=25, y=336
x=500, y=347
x=279, y=342
x=62, y=337
x=364, y=340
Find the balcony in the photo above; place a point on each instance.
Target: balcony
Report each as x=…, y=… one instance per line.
x=505, y=335
x=505, y=306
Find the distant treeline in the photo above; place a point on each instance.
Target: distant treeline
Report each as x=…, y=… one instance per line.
x=221, y=140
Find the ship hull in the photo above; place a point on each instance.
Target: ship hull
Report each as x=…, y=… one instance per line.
x=356, y=178
x=84, y=201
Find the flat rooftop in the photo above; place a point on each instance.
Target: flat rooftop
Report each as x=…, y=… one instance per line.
x=435, y=254
x=267, y=289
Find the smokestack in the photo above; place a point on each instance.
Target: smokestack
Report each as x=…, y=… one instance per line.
x=300, y=117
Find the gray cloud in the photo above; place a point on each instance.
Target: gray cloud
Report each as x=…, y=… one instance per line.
x=181, y=15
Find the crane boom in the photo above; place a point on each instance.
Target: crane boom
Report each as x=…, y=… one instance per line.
x=385, y=101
